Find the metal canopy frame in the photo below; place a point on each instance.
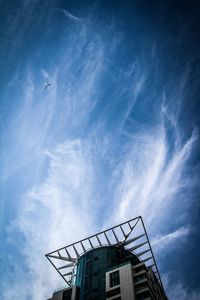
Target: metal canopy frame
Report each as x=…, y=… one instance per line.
x=131, y=235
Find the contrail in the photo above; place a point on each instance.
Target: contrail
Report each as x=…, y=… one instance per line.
x=68, y=14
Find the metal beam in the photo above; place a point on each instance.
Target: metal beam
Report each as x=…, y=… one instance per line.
x=66, y=266
x=107, y=239
x=133, y=239
x=91, y=243
x=124, y=239
x=85, y=239
x=98, y=240
x=62, y=258
x=143, y=252
x=75, y=250
x=137, y=246
x=115, y=235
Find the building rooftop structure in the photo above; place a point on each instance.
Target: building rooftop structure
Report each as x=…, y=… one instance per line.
x=93, y=265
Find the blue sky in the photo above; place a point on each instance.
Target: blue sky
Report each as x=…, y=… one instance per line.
x=115, y=135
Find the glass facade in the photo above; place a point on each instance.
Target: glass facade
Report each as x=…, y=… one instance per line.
x=114, y=270
x=93, y=265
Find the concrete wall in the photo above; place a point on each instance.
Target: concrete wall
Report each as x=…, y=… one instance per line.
x=126, y=283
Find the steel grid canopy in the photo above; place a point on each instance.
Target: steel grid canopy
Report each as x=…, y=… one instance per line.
x=130, y=235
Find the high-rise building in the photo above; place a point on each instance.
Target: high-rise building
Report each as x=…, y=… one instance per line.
x=117, y=263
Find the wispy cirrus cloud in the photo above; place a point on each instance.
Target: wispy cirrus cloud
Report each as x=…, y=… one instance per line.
x=171, y=238
x=55, y=212
x=151, y=178
x=62, y=208
x=13, y=32
x=89, y=172
x=70, y=15
x=180, y=291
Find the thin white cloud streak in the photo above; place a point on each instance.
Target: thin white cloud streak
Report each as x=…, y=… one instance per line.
x=66, y=104
x=13, y=32
x=180, y=291
x=150, y=180
x=62, y=208
x=136, y=87
x=56, y=212
x=160, y=242
x=30, y=125
x=70, y=16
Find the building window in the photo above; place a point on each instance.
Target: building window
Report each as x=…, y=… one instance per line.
x=114, y=279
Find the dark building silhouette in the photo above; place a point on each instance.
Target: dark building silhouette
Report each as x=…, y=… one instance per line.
x=115, y=264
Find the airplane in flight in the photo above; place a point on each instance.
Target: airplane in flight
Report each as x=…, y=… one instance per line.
x=47, y=85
